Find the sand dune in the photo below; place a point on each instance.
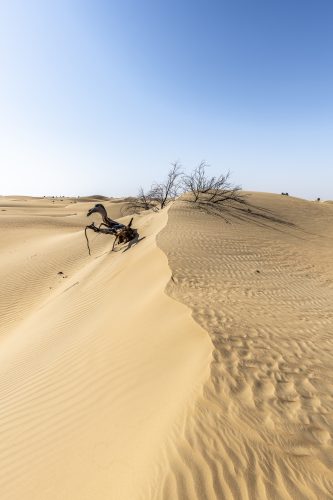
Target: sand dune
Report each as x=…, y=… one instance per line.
x=219, y=388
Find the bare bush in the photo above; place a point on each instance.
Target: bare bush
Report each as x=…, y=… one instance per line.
x=208, y=191
x=159, y=195
x=164, y=192
x=140, y=203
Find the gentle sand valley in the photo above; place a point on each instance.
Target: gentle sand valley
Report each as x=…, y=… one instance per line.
x=196, y=365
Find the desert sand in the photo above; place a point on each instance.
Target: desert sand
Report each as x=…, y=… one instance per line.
x=196, y=365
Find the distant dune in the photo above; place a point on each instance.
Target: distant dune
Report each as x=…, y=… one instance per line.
x=196, y=365
x=94, y=197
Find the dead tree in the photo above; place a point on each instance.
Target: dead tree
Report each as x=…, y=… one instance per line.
x=122, y=233
x=210, y=192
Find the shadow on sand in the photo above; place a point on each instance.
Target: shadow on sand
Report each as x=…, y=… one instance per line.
x=244, y=211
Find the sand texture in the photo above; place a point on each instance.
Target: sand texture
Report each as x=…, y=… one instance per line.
x=261, y=284
x=196, y=365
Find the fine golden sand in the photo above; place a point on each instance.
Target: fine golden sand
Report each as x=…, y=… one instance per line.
x=196, y=365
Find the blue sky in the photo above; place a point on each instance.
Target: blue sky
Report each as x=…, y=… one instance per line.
x=99, y=97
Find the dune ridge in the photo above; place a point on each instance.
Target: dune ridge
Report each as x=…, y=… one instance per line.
x=259, y=281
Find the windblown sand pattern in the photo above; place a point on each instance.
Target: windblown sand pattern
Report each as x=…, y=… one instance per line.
x=261, y=284
x=220, y=389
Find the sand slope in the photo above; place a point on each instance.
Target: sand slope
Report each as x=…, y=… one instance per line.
x=97, y=364
x=261, y=283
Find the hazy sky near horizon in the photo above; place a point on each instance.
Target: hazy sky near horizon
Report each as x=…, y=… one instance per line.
x=99, y=96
